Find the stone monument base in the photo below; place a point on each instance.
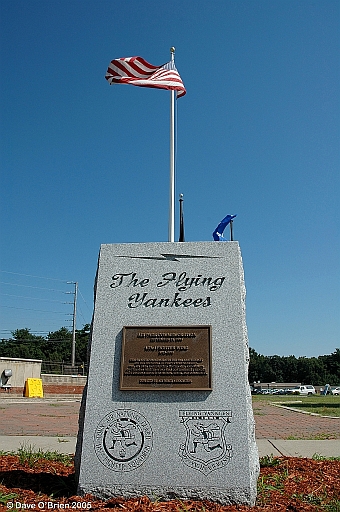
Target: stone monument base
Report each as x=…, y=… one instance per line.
x=167, y=410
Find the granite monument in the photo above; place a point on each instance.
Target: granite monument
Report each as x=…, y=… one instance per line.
x=167, y=410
